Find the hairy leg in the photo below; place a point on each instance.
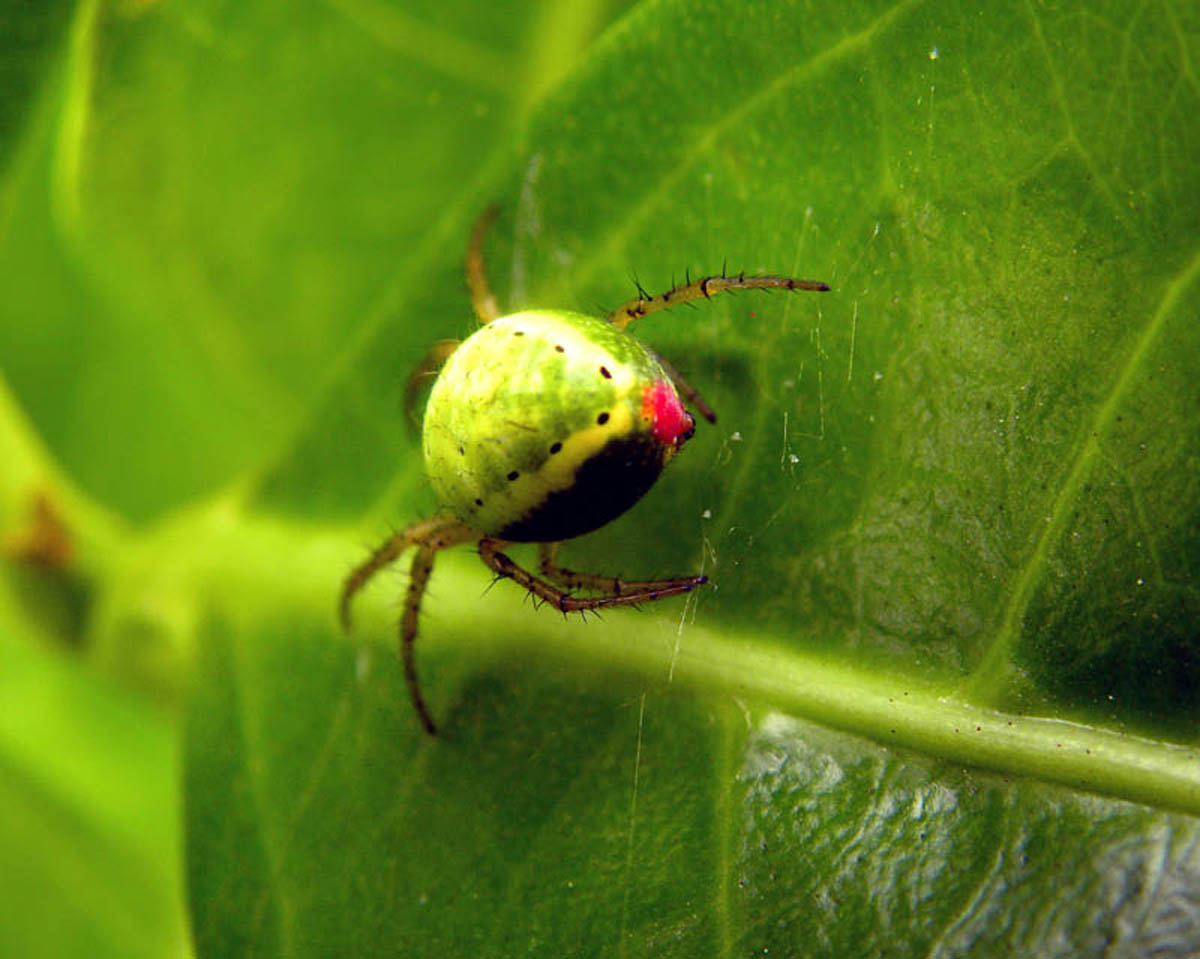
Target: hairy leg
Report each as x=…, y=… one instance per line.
x=482, y=298
x=438, y=532
x=704, y=288
x=483, y=301
x=645, y=592
x=571, y=580
x=430, y=537
x=428, y=367
x=422, y=567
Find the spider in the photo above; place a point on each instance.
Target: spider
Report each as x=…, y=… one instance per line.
x=542, y=426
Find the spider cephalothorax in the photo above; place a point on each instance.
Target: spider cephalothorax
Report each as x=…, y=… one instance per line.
x=542, y=426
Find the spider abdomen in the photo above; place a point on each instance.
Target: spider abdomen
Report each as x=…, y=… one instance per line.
x=545, y=425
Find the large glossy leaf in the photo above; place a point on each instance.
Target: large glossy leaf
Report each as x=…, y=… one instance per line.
x=941, y=692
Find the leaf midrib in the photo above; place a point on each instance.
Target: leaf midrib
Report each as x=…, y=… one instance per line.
x=890, y=708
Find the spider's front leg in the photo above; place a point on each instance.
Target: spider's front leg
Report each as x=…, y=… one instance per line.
x=616, y=593
x=704, y=288
x=422, y=567
x=430, y=537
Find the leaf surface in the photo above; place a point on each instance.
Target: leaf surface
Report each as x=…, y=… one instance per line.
x=940, y=694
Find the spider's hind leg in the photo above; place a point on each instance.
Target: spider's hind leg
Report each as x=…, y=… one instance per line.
x=439, y=532
x=430, y=537
x=422, y=567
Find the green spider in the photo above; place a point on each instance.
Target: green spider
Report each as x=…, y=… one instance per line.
x=541, y=426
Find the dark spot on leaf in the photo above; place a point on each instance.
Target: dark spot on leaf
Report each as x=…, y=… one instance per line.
x=602, y=418
x=604, y=372
x=556, y=448
x=560, y=349
x=513, y=475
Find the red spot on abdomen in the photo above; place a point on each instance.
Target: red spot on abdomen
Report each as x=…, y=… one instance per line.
x=669, y=421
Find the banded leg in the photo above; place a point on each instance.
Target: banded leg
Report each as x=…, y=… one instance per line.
x=422, y=567
x=704, y=288
x=438, y=532
x=645, y=592
x=482, y=298
x=428, y=367
x=483, y=301
x=430, y=536
x=570, y=579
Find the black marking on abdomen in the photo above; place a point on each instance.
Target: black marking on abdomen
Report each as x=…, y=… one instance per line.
x=605, y=486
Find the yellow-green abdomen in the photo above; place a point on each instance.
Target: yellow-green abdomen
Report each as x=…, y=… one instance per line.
x=545, y=425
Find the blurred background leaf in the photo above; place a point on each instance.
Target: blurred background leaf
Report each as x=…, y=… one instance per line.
x=940, y=695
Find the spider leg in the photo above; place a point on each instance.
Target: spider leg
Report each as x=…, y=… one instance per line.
x=644, y=592
x=439, y=532
x=422, y=567
x=570, y=579
x=704, y=288
x=424, y=371
x=429, y=536
x=482, y=298
x=689, y=392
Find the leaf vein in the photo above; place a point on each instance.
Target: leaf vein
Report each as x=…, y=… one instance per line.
x=995, y=666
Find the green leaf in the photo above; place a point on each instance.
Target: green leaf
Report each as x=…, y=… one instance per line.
x=89, y=813
x=940, y=694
